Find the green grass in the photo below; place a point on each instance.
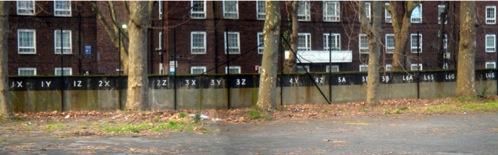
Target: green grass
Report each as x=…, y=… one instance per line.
x=159, y=127
x=465, y=107
x=53, y=127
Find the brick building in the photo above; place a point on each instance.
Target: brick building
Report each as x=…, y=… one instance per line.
x=35, y=38
x=193, y=33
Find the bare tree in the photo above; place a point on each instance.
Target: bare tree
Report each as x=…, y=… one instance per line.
x=401, y=23
x=268, y=79
x=113, y=26
x=467, y=46
x=290, y=63
x=373, y=31
x=140, y=15
x=4, y=30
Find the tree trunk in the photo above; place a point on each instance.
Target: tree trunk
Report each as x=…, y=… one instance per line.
x=268, y=77
x=373, y=32
x=401, y=27
x=4, y=72
x=137, y=77
x=467, y=46
x=290, y=63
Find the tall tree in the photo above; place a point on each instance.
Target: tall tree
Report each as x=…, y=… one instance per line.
x=467, y=46
x=373, y=31
x=268, y=77
x=401, y=23
x=4, y=31
x=106, y=13
x=290, y=63
x=140, y=15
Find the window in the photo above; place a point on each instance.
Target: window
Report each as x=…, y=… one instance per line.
x=260, y=10
x=390, y=43
x=258, y=68
x=197, y=69
x=490, y=43
x=160, y=40
x=331, y=11
x=26, y=43
x=303, y=11
x=388, y=17
x=335, y=41
x=389, y=67
x=414, y=44
x=67, y=71
x=416, y=67
x=303, y=68
x=198, y=9
x=445, y=42
x=261, y=43
x=62, y=8
x=233, y=42
x=440, y=10
x=417, y=14
x=490, y=14
x=160, y=9
x=26, y=71
x=363, y=68
x=233, y=70
x=335, y=68
x=231, y=9
x=304, y=41
x=490, y=65
x=368, y=12
x=363, y=43
x=66, y=41
x=198, y=43
x=25, y=7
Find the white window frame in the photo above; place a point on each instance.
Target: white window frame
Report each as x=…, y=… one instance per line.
x=440, y=9
x=160, y=8
x=20, y=69
x=389, y=67
x=203, y=68
x=57, y=38
x=335, y=68
x=230, y=14
x=65, y=68
x=260, y=12
x=363, y=66
x=198, y=14
x=415, y=65
x=161, y=69
x=414, y=47
x=306, y=14
x=336, y=41
x=390, y=49
x=490, y=63
x=331, y=15
x=65, y=12
x=417, y=19
x=492, y=48
x=231, y=49
x=160, y=41
x=304, y=68
x=445, y=42
x=388, y=17
x=24, y=10
x=490, y=18
x=362, y=49
x=193, y=50
x=19, y=47
x=261, y=42
x=307, y=42
x=368, y=11
x=238, y=68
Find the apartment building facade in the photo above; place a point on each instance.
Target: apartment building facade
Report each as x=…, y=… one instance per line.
x=193, y=37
